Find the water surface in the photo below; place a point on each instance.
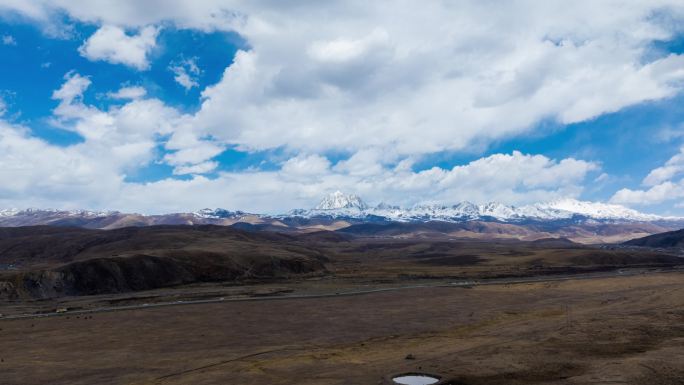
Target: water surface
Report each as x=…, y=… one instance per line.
x=415, y=379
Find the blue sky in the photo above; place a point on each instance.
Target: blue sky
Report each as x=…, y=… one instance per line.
x=264, y=108
x=35, y=64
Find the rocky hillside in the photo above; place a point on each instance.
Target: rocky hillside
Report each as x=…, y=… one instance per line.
x=41, y=262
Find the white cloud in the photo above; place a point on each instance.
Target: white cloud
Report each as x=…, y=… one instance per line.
x=33, y=9
x=186, y=72
x=189, y=153
x=663, y=192
x=72, y=89
x=352, y=75
x=131, y=132
x=112, y=44
x=134, y=92
x=510, y=178
x=342, y=50
x=664, y=184
x=384, y=83
x=3, y=107
x=673, y=167
x=40, y=173
x=311, y=165
x=91, y=174
x=8, y=40
x=43, y=174
x=200, y=168
x=206, y=15
x=315, y=83
x=365, y=162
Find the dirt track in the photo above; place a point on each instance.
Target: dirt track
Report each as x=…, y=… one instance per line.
x=611, y=330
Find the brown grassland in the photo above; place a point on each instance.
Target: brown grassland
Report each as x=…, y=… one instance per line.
x=623, y=325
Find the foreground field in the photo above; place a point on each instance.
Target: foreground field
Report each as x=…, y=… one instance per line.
x=627, y=330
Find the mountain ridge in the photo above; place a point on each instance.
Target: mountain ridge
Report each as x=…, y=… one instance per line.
x=585, y=222
x=340, y=206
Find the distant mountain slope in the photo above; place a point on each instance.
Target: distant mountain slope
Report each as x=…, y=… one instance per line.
x=47, y=261
x=668, y=239
x=577, y=232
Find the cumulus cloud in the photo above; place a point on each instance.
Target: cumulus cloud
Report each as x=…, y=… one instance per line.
x=514, y=178
x=43, y=174
x=185, y=73
x=92, y=173
x=663, y=184
x=131, y=132
x=72, y=89
x=310, y=165
x=70, y=174
x=134, y=92
x=112, y=44
x=348, y=75
x=3, y=107
x=663, y=192
x=340, y=83
x=673, y=167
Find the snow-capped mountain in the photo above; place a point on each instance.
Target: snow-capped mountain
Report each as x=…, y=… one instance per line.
x=352, y=209
x=69, y=213
x=8, y=212
x=339, y=200
x=340, y=205
x=218, y=214
x=597, y=210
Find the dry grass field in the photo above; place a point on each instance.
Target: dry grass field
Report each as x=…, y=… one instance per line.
x=598, y=331
x=618, y=320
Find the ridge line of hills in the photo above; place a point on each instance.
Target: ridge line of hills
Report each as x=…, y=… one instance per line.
x=585, y=222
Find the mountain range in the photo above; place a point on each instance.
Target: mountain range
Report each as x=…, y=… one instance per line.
x=342, y=205
x=578, y=220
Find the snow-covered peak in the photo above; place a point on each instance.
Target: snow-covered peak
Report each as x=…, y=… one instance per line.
x=348, y=206
x=339, y=200
x=8, y=212
x=597, y=210
x=351, y=206
x=467, y=208
x=498, y=210
x=217, y=213
x=66, y=213
x=88, y=213
x=386, y=206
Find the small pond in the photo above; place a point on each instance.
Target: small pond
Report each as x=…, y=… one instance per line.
x=415, y=379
